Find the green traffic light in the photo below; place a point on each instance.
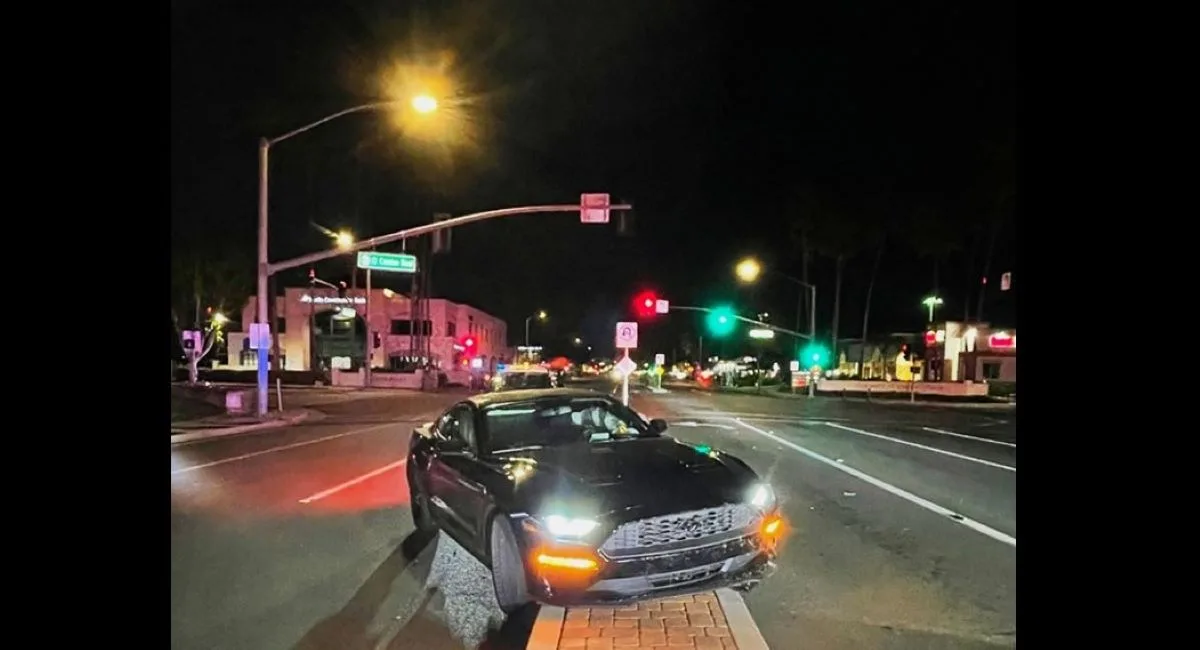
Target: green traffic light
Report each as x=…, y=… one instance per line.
x=721, y=321
x=814, y=355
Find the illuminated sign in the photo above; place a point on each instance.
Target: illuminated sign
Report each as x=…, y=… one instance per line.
x=1002, y=340
x=332, y=300
x=762, y=334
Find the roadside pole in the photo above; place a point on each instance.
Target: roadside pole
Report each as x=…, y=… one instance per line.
x=370, y=337
x=625, y=384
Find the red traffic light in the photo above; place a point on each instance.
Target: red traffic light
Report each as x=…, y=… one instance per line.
x=644, y=303
x=469, y=342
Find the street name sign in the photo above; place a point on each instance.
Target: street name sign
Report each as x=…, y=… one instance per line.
x=399, y=262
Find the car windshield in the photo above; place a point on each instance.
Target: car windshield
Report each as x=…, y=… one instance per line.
x=559, y=421
x=527, y=380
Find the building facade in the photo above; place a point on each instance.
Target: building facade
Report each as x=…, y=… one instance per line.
x=318, y=329
x=971, y=352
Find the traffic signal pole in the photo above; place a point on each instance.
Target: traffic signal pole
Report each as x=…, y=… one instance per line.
x=266, y=268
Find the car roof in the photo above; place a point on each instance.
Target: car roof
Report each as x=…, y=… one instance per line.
x=509, y=396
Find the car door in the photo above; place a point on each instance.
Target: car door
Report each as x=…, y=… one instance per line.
x=455, y=497
x=472, y=500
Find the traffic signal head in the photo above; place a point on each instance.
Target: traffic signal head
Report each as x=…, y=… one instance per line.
x=814, y=355
x=643, y=304
x=342, y=289
x=721, y=321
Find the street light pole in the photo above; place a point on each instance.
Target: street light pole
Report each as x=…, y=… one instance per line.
x=264, y=146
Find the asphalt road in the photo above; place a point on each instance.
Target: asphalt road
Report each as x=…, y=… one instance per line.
x=902, y=519
x=301, y=537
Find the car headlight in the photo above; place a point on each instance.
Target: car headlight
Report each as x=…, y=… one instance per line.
x=561, y=526
x=761, y=496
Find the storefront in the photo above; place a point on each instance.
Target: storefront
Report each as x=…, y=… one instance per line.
x=971, y=352
x=318, y=329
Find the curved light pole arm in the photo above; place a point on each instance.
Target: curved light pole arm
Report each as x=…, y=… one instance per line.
x=774, y=328
x=328, y=118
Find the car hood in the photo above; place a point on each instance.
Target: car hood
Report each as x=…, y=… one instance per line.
x=625, y=480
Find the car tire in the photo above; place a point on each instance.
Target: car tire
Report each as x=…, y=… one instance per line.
x=508, y=569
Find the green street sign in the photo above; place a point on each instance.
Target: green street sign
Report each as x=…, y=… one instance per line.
x=399, y=262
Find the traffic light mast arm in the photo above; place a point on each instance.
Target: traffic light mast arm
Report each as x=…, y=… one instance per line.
x=417, y=231
x=769, y=326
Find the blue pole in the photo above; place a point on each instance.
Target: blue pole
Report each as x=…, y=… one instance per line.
x=263, y=364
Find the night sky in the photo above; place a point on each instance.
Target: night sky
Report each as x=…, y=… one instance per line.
x=725, y=127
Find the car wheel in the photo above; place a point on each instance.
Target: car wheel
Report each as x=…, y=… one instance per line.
x=508, y=570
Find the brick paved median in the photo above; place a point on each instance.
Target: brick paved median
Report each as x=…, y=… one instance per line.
x=682, y=622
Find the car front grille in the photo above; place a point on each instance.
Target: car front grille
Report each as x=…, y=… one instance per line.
x=678, y=529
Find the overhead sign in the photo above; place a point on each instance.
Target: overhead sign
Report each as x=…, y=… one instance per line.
x=626, y=366
x=260, y=336
x=399, y=262
x=662, y=306
x=627, y=335
x=762, y=334
x=1006, y=281
x=593, y=208
x=660, y=359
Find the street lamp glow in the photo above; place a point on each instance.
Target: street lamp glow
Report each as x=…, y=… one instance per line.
x=344, y=239
x=748, y=270
x=541, y=315
x=424, y=104
x=578, y=341
x=220, y=319
x=932, y=302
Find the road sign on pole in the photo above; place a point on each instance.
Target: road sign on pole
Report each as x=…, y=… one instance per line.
x=627, y=335
x=399, y=262
x=662, y=306
x=660, y=359
x=593, y=208
x=1006, y=281
x=260, y=336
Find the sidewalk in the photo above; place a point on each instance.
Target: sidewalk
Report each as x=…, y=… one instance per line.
x=712, y=620
x=227, y=425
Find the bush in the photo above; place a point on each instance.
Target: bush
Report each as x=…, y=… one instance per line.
x=1002, y=388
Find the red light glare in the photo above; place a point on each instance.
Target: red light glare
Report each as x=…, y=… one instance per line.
x=930, y=337
x=470, y=342
x=648, y=303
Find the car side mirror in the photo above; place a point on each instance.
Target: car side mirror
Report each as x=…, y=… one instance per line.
x=658, y=425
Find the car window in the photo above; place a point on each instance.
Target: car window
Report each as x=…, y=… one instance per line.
x=464, y=417
x=447, y=426
x=559, y=420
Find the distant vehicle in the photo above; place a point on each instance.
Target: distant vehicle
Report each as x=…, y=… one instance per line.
x=524, y=377
x=572, y=498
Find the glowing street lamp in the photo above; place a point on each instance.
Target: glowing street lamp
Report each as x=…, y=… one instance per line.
x=748, y=270
x=344, y=240
x=219, y=320
x=424, y=104
x=541, y=315
x=932, y=302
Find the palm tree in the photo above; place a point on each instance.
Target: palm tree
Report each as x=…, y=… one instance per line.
x=862, y=350
x=836, y=236
x=934, y=236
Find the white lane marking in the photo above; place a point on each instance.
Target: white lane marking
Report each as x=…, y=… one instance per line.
x=354, y=481
x=963, y=435
x=762, y=416
x=272, y=450
x=888, y=487
x=921, y=446
x=703, y=425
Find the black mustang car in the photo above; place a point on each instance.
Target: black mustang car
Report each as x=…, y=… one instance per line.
x=571, y=498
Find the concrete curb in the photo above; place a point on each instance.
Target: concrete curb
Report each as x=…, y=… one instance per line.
x=181, y=437
x=546, y=629
x=745, y=631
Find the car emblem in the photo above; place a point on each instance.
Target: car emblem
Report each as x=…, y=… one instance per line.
x=692, y=526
